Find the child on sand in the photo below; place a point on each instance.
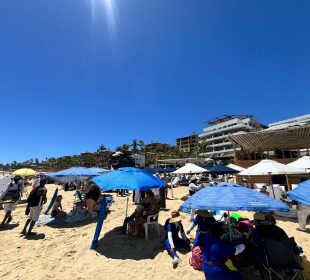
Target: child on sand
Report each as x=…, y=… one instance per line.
x=57, y=208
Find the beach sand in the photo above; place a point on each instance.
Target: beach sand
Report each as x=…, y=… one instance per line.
x=62, y=251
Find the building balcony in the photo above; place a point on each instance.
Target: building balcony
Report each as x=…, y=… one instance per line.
x=209, y=131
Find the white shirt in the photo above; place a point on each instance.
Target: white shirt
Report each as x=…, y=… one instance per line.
x=193, y=187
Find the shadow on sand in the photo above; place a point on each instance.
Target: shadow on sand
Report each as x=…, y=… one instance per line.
x=8, y=227
x=39, y=236
x=114, y=245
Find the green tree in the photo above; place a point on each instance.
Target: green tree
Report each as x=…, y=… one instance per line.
x=101, y=149
x=134, y=146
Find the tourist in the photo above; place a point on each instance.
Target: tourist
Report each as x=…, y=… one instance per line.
x=57, y=211
x=14, y=190
x=303, y=211
x=8, y=209
x=173, y=241
x=93, y=194
x=264, y=190
x=193, y=187
x=151, y=206
x=204, y=219
x=36, y=198
x=215, y=255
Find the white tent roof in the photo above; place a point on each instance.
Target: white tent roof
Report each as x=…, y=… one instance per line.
x=267, y=166
x=190, y=168
x=301, y=163
x=236, y=167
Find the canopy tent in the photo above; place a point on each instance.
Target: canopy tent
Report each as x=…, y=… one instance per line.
x=190, y=168
x=232, y=197
x=301, y=193
x=73, y=174
x=222, y=169
x=292, y=136
x=99, y=170
x=270, y=167
x=127, y=178
x=24, y=172
x=236, y=167
x=301, y=163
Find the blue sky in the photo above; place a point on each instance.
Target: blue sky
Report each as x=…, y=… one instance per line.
x=75, y=74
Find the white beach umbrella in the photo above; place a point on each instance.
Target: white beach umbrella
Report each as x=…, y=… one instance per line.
x=270, y=167
x=301, y=163
x=190, y=168
x=236, y=167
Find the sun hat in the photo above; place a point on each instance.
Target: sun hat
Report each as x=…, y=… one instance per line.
x=204, y=213
x=176, y=217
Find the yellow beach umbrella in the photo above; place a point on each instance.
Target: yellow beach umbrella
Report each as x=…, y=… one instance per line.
x=23, y=172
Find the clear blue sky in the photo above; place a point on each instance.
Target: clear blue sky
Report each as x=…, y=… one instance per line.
x=78, y=73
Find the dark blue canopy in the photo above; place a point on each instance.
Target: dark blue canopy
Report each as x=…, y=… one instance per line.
x=222, y=169
x=232, y=197
x=128, y=178
x=301, y=193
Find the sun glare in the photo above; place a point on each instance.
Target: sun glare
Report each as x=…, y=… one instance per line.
x=104, y=9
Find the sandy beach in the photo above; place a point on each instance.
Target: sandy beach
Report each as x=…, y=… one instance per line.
x=62, y=251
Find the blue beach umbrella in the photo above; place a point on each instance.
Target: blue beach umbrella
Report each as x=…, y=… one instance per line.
x=73, y=174
x=301, y=193
x=128, y=178
x=99, y=170
x=232, y=197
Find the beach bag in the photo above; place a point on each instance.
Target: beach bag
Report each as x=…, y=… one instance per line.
x=196, y=259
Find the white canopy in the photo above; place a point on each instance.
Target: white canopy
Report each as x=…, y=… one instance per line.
x=190, y=168
x=236, y=167
x=270, y=167
x=301, y=163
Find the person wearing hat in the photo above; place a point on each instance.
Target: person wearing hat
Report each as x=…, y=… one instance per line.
x=215, y=255
x=203, y=220
x=173, y=241
x=193, y=186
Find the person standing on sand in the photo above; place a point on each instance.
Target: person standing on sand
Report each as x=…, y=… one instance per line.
x=36, y=198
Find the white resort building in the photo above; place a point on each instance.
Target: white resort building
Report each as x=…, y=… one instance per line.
x=215, y=135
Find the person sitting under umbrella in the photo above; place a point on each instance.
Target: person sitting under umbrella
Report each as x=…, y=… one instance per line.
x=93, y=194
x=216, y=253
x=173, y=242
x=150, y=206
x=203, y=220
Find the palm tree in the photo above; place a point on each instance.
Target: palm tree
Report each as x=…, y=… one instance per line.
x=101, y=149
x=134, y=146
x=141, y=145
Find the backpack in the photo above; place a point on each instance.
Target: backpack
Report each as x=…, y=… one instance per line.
x=196, y=259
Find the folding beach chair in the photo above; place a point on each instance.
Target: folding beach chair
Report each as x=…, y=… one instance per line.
x=282, y=260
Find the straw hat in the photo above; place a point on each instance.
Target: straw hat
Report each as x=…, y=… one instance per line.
x=204, y=213
x=176, y=217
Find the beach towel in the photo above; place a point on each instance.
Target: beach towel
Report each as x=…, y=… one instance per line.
x=52, y=202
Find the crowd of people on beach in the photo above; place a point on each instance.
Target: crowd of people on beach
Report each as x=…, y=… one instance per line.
x=215, y=246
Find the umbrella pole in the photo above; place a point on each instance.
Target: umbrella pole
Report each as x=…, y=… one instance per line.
x=127, y=206
x=229, y=226
x=171, y=188
x=287, y=182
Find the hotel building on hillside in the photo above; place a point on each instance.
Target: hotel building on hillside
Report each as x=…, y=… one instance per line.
x=216, y=134
x=188, y=143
